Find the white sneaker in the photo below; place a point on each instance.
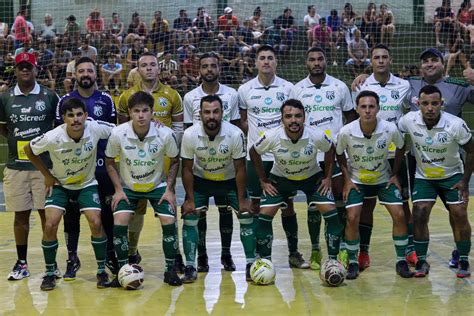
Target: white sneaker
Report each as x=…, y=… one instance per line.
x=19, y=272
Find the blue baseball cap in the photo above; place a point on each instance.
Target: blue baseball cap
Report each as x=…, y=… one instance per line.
x=432, y=51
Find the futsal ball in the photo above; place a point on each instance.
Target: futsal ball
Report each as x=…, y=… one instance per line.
x=332, y=273
x=131, y=276
x=262, y=272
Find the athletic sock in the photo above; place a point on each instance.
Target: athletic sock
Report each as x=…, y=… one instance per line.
x=290, y=226
x=226, y=227
x=49, y=251
x=365, y=232
x=464, y=247
x=247, y=237
x=169, y=245
x=400, y=243
x=421, y=248
x=264, y=235
x=121, y=244
x=411, y=246
x=21, y=251
x=100, y=250
x=177, y=237
x=352, y=247
x=202, y=229
x=190, y=238
x=314, y=227
x=333, y=232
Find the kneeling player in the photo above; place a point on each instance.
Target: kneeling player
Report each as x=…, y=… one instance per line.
x=295, y=148
x=72, y=147
x=142, y=148
x=366, y=142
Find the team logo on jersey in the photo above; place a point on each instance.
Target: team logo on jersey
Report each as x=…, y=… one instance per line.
x=283, y=162
x=130, y=147
x=223, y=148
x=295, y=154
x=40, y=105
x=398, y=195
x=308, y=150
x=318, y=98
x=66, y=151
x=395, y=95
x=95, y=198
x=128, y=162
x=225, y=105
x=383, y=98
x=429, y=140
x=442, y=137
x=153, y=148
x=280, y=96
x=356, y=158
x=78, y=151
x=212, y=151
x=88, y=146
x=256, y=110
x=418, y=134
x=66, y=161
x=381, y=143
x=358, y=146
x=16, y=106
x=268, y=101
x=98, y=110
x=26, y=110
x=307, y=109
x=14, y=118
x=201, y=148
x=141, y=153
x=255, y=97
x=282, y=150
x=307, y=96
x=163, y=102
x=370, y=150
x=330, y=95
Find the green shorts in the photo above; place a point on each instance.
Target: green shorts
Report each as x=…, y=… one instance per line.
x=403, y=179
x=224, y=193
x=154, y=196
x=287, y=189
x=427, y=190
x=390, y=196
x=87, y=198
x=253, y=183
x=336, y=170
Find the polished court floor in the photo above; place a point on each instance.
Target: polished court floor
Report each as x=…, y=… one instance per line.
x=296, y=292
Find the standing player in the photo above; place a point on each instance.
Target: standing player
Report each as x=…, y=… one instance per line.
x=26, y=111
x=366, y=142
x=327, y=102
x=142, y=147
x=72, y=147
x=100, y=106
x=209, y=71
x=213, y=155
x=168, y=108
x=436, y=137
x=295, y=148
x=260, y=100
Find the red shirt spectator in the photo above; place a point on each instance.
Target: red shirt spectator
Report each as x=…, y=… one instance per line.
x=228, y=22
x=95, y=23
x=322, y=34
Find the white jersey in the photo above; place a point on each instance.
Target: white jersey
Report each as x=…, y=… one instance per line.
x=263, y=107
x=192, y=104
x=437, y=149
x=142, y=162
x=367, y=158
x=73, y=162
x=214, y=160
x=294, y=161
x=324, y=106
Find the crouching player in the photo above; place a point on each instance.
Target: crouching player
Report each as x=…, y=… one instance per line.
x=72, y=147
x=142, y=147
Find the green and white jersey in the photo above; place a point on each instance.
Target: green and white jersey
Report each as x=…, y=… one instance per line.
x=324, y=106
x=263, y=107
x=214, y=160
x=437, y=149
x=26, y=117
x=142, y=162
x=192, y=102
x=367, y=158
x=294, y=161
x=73, y=162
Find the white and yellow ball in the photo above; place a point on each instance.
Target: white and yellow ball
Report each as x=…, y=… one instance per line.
x=262, y=272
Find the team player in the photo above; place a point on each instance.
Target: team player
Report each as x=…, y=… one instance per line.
x=437, y=137
x=100, y=106
x=366, y=143
x=72, y=147
x=142, y=147
x=295, y=148
x=328, y=104
x=209, y=71
x=168, y=109
x=392, y=93
x=213, y=155
x=26, y=111
x=260, y=100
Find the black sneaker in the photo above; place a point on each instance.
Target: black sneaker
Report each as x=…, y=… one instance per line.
x=112, y=264
x=49, y=283
x=352, y=271
x=115, y=283
x=190, y=274
x=247, y=272
x=227, y=262
x=203, y=263
x=72, y=267
x=178, y=263
x=422, y=268
x=136, y=258
x=403, y=270
x=172, y=278
x=463, y=271
x=103, y=280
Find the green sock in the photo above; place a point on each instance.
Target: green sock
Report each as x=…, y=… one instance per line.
x=169, y=244
x=365, y=232
x=190, y=238
x=333, y=232
x=247, y=237
x=264, y=235
x=464, y=247
x=411, y=246
x=421, y=248
x=400, y=243
x=226, y=227
x=202, y=228
x=314, y=227
x=342, y=213
x=121, y=244
x=49, y=251
x=290, y=226
x=352, y=247
x=100, y=250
